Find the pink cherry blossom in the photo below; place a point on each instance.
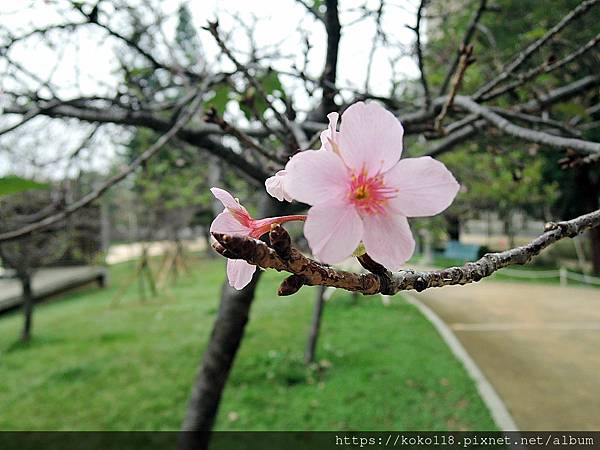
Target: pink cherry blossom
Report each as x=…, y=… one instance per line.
x=276, y=187
x=236, y=220
x=360, y=189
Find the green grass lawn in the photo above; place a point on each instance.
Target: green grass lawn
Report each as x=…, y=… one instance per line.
x=93, y=366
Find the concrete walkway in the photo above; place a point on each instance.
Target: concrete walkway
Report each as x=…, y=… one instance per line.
x=49, y=281
x=538, y=345
x=126, y=252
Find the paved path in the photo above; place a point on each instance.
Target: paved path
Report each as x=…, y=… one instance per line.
x=538, y=345
x=126, y=252
x=48, y=282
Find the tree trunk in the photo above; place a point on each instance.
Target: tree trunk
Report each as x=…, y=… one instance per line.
x=27, y=307
x=594, y=236
x=313, y=337
x=228, y=331
x=217, y=361
x=508, y=229
x=453, y=227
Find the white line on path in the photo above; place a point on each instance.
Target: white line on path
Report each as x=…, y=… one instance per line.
x=527, y=326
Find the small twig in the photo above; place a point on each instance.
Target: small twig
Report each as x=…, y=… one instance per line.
x=312, y=10
x=531, y=49
x=465, y=60
x=542, y=69
x=289, y=137
x=420, y=58
x=211, y=116
x=466, y=41
x=527, y=134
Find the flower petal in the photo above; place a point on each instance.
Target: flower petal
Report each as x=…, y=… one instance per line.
x=227, y=199
x=316, y=176
x=388, y=239
x=370, y=137
x=226, y=223
x=239, y=273
x=275, y=186
x=426, y=187
x=330, y=134
x=333, y=231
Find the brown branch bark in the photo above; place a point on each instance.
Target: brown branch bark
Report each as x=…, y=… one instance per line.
x=306, y=271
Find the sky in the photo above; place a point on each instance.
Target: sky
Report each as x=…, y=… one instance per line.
x=86, y=63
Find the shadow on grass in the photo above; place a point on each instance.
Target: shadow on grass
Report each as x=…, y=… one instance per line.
x=34, y=343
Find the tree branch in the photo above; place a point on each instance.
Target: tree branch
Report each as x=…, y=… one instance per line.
x=316, y=14
x=420, y=59
x=198, y=136
x=525, y=133
x=466, y=59
x=98, y=192
x=306, y=271
x=290, y=138
x=465, y=42
x=542, y=69
x=525, y=54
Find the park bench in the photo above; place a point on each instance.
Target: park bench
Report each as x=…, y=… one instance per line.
x=464, y=252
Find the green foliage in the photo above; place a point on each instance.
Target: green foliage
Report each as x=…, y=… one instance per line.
x=131, y=366
x=502, y=180
x=252, y=103
x=219, y=100
x=12, y=184
x=173, y=185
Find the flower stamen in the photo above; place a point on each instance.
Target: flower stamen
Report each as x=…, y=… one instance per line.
x=369, y=194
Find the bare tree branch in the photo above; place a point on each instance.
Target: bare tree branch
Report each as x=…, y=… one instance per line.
x=542, y=69
x=531, y=49
x=290, y=138
x=459, y=136
x=466, y=60
x=199, y=136
x=465, y=42
x=241, y=136
x=306, y=271
x=420, y=59
x=98, y=192
x=525, y=133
